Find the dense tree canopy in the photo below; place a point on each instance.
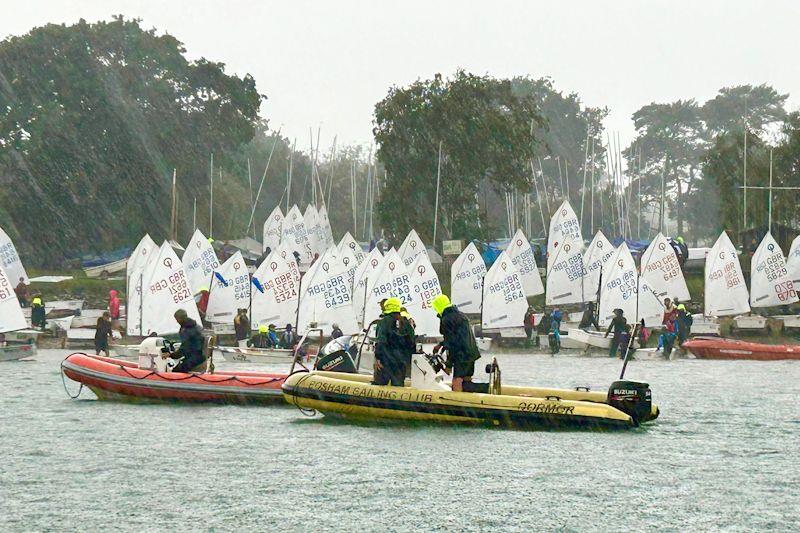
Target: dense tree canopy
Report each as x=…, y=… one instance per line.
x=94, y=117
x=485, y=131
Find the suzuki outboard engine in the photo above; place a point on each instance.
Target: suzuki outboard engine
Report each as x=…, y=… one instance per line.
x=632, y=398
x=335, y=357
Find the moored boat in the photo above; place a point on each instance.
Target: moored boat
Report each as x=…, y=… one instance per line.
x=16, y=352
x=255, y=355
x=343, y=393
x=720, y=348
x=114, y=379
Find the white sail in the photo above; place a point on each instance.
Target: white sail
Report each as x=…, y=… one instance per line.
x=770, y=282
x=313, y=229
x=504, y=302
x=11, y=317
x=565, y=275
x=466, y=280
x=426, y=287
x=294, y=235
x=325, y=225
x=623, y=289
x=662, y=271
x=362, y=279
x=595, y=259
x=325, y=297
x=10, y=261
x=349, y=242
x=230, y=290
x=145, y=252
x=725, y=289
x=564, y=227
x=411, y=248
x=200, y=261
x=521, y=254
x=391, y=280
x=275, y=290
x=349, y=260
x=793, y=262
x=271, y=236
x=166, y=291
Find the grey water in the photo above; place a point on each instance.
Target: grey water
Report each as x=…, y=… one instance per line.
x=724, y=455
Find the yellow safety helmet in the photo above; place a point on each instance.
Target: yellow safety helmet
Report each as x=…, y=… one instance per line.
x=36, y=301
x=392, y=305
x=263, y=329
x=681, y=307
x=203, y=288
x=440, y=303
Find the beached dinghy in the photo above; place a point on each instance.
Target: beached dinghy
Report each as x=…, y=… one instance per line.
x=719, y=348
x=12, y=320
x=16, y=352
x=335, y=389
x=114, y=379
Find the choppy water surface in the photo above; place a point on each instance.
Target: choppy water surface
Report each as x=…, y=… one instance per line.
x=723, y=455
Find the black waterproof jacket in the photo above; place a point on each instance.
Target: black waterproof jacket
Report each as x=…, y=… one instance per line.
x=457, y=337
x=191, y=343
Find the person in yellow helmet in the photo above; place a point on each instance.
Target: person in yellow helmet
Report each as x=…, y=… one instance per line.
x=261, y=339
x=37, y=312
x=459, y=342
x=391, y=345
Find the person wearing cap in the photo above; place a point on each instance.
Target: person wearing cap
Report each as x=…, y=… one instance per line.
x=261, y=339
x=289, y=338
x=619, y=325
x=391, y=345
x=458, y=340
x=336, y=332
x=241, y=327
x=190, y=353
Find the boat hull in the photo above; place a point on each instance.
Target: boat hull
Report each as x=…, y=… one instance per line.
x=17, y=352
x=729, y=349
x=353, y=396
x=232, y=354
x=114, y=379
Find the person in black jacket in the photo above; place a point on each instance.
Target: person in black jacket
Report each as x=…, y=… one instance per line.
x=241, y=326
x=619, y=324
x=102, y=333
x=391, y=345
x=458, y=340
x=589, y=318
x=190, y=352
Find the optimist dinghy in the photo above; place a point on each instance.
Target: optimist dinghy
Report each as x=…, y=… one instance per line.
x=334, y=388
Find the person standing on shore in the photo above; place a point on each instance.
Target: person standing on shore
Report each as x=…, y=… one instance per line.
x=102, y=334
x=21, y=290
x=113, y=308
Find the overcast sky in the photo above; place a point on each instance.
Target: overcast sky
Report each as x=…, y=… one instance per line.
x=327, y=63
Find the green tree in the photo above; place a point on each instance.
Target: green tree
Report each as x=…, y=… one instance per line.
x=94, y=117
x=760, y=105
x=484, y=129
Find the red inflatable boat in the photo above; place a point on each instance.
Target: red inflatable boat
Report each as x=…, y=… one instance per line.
x=719, y=348
x=113, y=379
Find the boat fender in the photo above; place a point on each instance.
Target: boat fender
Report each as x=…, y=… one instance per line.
x=631, y=397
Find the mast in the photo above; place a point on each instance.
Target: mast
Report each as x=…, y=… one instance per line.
x=211, y=199
x=436, y=202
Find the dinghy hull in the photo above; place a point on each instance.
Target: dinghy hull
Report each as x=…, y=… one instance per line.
x=17, y=352
x=353, y=396
x=719, y=348
x=114, y=379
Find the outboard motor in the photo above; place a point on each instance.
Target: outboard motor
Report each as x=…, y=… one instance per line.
x=150, y=351
x=335, y=357
x=632, y=398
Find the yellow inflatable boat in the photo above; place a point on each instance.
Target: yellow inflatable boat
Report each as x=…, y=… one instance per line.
x=426, y=397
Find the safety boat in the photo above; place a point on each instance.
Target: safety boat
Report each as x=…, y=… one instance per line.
x=334, y=388
x=149, y=380
x=720, y=348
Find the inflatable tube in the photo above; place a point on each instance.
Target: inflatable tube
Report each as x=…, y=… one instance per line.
x=719, y=348
x=114, y=379
x=354, y=396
